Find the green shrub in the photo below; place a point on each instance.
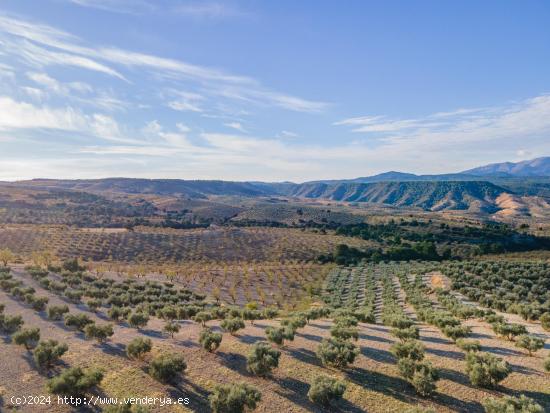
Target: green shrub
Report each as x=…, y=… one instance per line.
x=468, y=345
x=234, y=398
x=27, y=337
x=486, y=370
x=94, y=304
x=251, y=315
x=509, y=404
x=232, y=325
x=400, y=322
x=456, y=332
x=138, y=320
x=530, y=343
x=341, y=332
x=337, y=353
x=424, y=378
x=325, y=390
x=74, y=381
x=411, y=349
x=56, y=312
x=509, y=330
x=78, y=321
x=99, y=332
x=270, y=313
x=116, y=313
x=209, y=340
x=171, y=328
x=138, y=347
x=404, y=334
x=547, y=364
x=47, y=353
x=202, y=317
x=10, y=324
x=422, y=375
x=262, y=358
x=39, y=303
x=165, y=367
x=275, y=335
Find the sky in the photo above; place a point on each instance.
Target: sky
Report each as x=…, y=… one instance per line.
x=270, y=90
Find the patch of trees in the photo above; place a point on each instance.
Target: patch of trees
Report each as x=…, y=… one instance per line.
x=346, y=255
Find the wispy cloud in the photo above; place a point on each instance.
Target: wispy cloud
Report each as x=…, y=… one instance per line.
x=41, y=45
x=236, y=125
x=17, y=115
x=209, y=10
x=526, y=118
x=117, y=6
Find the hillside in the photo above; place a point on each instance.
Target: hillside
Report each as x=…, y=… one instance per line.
x=192, y=189
x=533, y=167
x=435, y=196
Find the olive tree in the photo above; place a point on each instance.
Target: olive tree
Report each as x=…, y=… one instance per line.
x=262, y=358
x=210, y=340
x=138, y=347
x=324, y=390
x=234, y=398
x=47, y=353
x=165, y=367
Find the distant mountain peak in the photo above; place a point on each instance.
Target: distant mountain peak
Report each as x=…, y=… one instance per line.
x=533, y=167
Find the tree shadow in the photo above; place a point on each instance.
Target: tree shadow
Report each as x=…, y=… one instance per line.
x=248, y=339
x=474, y=335
x=115, y=349
x=436, y=340
x=455, y=355
x=304, y=355
x=542, y=398
x=310, y=337
x=383, y=329
x=522, y=369
x=319, y=326
x=197, y=395
x=454, y=375
x=501, y=351
x=395, y=387
x=187, y=343
x=363, y=336
x=295, y=391
x=234, y=361
x=379, y=355
x=457, y=404
x=152, y=333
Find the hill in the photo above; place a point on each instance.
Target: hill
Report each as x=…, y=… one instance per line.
x=533, y=167
x=475, y=196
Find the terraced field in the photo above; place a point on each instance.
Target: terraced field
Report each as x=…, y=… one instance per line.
x=160, y=246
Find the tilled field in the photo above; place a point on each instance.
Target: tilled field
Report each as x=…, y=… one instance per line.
x=373, y=381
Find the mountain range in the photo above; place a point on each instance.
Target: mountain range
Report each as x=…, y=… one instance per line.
x=494, y=188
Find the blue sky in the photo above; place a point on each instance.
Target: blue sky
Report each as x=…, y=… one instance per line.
x=258, y=90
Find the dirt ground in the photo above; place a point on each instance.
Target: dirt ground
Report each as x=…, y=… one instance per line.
x=373, y=382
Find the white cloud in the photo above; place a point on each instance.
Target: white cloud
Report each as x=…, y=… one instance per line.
x=209, y=10
x=117, y=6
x=288, y=134
x=34, y=93
x=525, y=118
x=16, y=115
x=236, y=125
x=40, y=45
x=21, y=115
